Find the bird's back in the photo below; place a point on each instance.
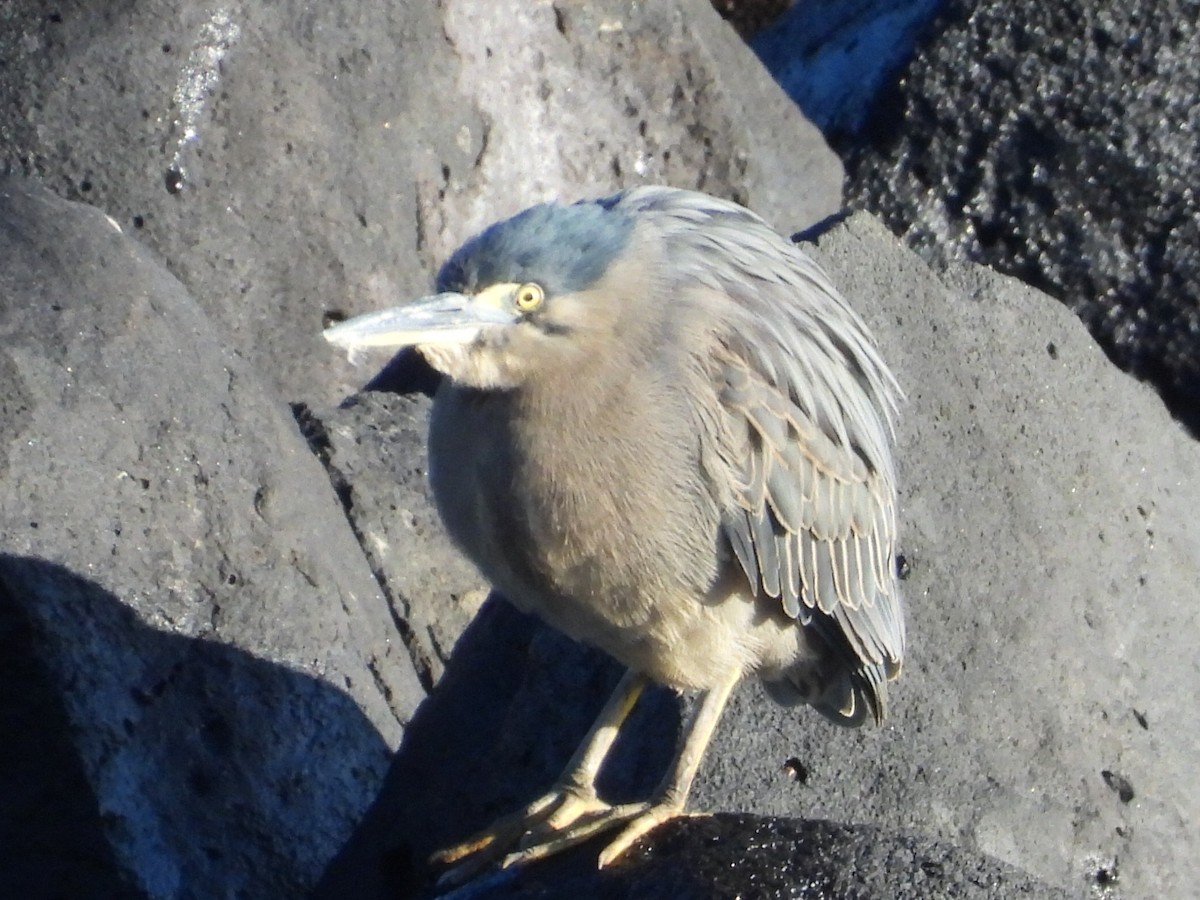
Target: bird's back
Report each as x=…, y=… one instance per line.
x=797, y=444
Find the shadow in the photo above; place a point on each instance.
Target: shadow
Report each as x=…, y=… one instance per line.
x=51, y=834
x=512, y=706
x=136, y=762
x=817, y=230
x=407, y=372
x=833, y=60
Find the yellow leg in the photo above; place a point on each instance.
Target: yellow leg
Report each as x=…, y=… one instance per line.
x=584, y=766
x=572, y=813
x=672, y=793
x=573, y=796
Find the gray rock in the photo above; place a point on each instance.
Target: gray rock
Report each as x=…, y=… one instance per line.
x=374, y=450
x=181, y=584
x=1057, y=142
x=1046, y=530
x=515, y=700
x=286, y=162
x=1048, y=510
x=293, y=159
x=728, y=856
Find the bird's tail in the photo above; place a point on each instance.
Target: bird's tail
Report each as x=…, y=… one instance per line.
x=844, y=697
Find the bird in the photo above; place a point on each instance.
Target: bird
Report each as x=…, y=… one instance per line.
x=661, y=429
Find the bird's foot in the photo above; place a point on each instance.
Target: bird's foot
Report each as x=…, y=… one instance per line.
x=563, y=818
x=644, y=820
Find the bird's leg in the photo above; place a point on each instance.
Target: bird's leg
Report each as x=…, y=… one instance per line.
x=638, y=818
x=572, y=797
x=672, y=793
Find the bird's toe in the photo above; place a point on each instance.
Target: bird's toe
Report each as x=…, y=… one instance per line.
x=576, y=826
x=560, y=819
x=642, y=821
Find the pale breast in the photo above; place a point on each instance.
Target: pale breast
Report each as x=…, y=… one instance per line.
x=600, y=542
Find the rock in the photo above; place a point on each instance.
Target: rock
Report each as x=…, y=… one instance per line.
x=374, y=450
x=514, y=702
x=1047, y=510
x=215, y=661
x=293, y=160
x=748, y=17
x=1046, y=530
x=835, y=57
x=192, y=594
x=289, y=162
x=729, y=855
x=1055, y=142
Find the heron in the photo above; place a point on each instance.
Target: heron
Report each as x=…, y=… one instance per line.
x=663, y=430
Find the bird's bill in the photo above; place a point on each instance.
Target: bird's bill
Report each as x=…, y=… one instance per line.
x=448, y=318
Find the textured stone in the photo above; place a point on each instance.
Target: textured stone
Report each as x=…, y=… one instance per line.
x=177, y=576
x=290, y=160
x=833, y=57
x=1057, y=142
x=286, y=161
x=373, y=447
x=730, y=856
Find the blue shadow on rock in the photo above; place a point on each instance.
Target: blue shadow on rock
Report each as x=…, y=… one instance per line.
x=513, y=704
x=135, y=762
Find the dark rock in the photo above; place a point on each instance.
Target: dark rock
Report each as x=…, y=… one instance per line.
x=289, y=163
x=1025, y=662
x=374, y=450
x=514, y=702
x=1056, y=142
x=729, y=856
x=52, y=840
x=220, y=678
x=833, y=57
x=748, y=17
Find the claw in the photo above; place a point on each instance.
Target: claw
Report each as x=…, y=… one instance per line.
x=597, y=819
x=639, y=825
x=494, y=840
x=532, y=826
x=550, y=825
x=472, y=845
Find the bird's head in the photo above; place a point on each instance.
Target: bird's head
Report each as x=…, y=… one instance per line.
x=540, y=289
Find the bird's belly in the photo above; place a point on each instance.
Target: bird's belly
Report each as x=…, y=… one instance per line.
x=583, y=554
x=676, y=636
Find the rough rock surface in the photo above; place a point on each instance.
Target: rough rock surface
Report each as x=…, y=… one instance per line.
x=1052, y=588
x=1057, y=142
x=292, y=159
x=181, y=584
x=374, y=450
x=732, y=856
x=284, y=161
x=834, y=56
x=515, y=701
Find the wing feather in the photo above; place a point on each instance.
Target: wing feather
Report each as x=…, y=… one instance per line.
x=805, y=475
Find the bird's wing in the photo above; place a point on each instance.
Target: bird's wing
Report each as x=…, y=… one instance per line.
x=810, y=523
x=798, y=447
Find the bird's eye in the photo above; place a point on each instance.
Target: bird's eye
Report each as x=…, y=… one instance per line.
x=529, y=297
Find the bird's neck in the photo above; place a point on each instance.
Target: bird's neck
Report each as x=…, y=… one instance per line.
x=579, y=396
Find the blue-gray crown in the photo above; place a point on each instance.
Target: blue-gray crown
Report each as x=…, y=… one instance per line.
x=563, y=248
